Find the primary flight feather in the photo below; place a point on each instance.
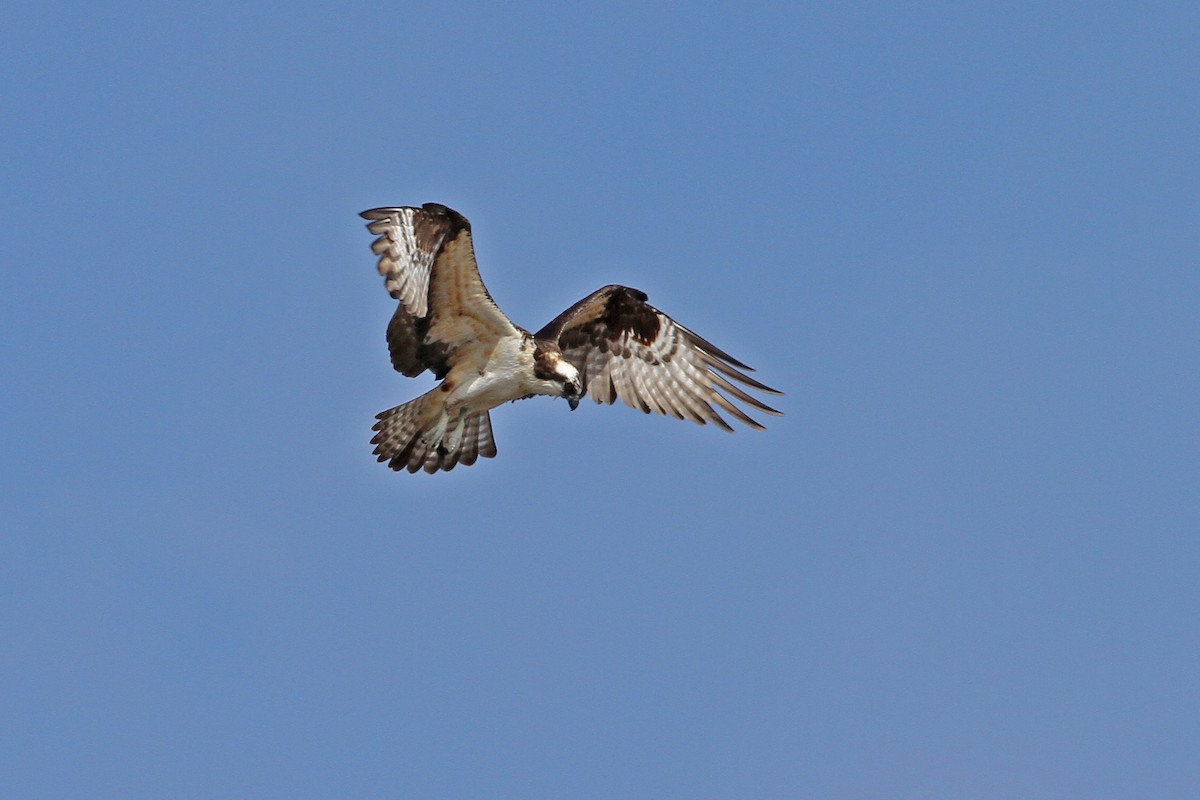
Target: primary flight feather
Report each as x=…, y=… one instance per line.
x=610, y=345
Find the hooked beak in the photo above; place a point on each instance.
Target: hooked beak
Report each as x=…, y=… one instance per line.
x=573, y=402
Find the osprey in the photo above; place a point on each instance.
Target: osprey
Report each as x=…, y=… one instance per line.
x=611, y=344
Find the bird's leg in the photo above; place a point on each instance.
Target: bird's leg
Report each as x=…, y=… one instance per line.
x=452, y=438
x=432, y=437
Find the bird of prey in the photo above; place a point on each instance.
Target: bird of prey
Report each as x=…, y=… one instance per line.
x=610, y=345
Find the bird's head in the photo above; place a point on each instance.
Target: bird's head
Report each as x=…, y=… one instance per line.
x=573, y=388
x=572, y=385
x=549, y=365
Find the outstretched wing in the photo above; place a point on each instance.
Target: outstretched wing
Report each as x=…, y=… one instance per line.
x=626, y=348
x=427, y=259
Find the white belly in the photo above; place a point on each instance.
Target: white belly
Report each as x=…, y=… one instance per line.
x=504, y=376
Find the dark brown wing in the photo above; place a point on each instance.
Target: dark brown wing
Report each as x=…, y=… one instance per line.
x=427, y=259
x=626, y=348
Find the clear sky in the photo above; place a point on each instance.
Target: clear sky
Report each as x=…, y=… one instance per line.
x=964, y=239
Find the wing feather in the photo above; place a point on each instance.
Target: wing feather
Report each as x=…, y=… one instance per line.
x=408, y=244
x=626, y=348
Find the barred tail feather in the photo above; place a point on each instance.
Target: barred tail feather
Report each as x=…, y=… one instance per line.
x=477, y=439
x=417, y=436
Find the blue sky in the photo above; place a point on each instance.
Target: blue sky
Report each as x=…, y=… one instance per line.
x=962, y=238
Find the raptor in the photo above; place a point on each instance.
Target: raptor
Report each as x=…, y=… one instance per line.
x=610, y=345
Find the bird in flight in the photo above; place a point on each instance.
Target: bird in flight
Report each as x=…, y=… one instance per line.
x=610, y=345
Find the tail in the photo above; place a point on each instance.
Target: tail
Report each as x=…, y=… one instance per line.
x=420, y=435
